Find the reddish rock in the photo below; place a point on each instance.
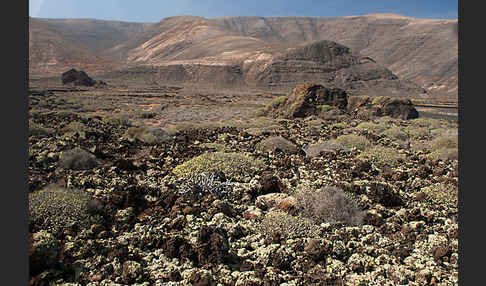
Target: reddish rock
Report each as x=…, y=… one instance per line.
x=269, y=201
x=252, y=212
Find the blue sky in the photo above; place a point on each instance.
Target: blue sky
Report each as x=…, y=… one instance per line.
x=155, y=10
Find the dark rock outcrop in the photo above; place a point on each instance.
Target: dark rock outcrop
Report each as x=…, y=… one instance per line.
x=309, y=99
x=368, y=107
x=77, y=78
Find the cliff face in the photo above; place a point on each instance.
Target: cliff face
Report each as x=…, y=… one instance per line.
x=333, y=65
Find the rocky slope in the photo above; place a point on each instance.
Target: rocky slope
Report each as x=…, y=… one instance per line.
x=422, y=50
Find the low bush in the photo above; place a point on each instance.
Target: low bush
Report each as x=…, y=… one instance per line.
x=325, y=107
x=444, y=154
x=417, y=132
x=354, y=141
x=382, y=156
x=445, y=141
x=277, y=102
x=285, y=226
x=202, y=184
x=78, y=159
x=372, y=127
x=395, y=133
x=328, y=205
x=36, y=129
x=233, y=165
x=75, y=127
x=442, y=194
x=55, y=208
x=430, y=123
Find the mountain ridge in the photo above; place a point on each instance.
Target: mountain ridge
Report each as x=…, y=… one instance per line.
x=422, y=51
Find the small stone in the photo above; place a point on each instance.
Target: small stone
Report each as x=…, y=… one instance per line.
x=252, y=213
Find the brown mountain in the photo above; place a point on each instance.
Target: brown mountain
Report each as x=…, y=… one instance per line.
x=52, y=52
x=421, y=50
x=265, y=51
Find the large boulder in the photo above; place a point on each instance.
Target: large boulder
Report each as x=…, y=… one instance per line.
x=366, y=107
x=310, y=99
x=77, y=78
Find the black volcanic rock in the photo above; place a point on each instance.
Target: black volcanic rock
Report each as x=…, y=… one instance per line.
x=77, y=78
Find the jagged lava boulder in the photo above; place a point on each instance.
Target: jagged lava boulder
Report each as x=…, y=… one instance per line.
x=309, y=99
x=367, y=107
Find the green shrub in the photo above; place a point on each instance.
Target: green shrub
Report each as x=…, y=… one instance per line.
x=379, y=100
x=444, y=154
x=55, y=208
x=442, y=194
x=372, y=127
x=283, y=225
x=395, y=133
x=277, y=102
x=382, y=156
x=233, y=165
x=78, y=159
x=354, y=141
x=75, y=127
x=430, y=123
x=445, y=141
x=35, y=129
x=417, y=132
x=328, y=205
x=325, y=107
x=117, y=121
x=339, y=125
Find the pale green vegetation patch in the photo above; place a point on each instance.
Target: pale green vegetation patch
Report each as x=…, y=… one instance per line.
x=382, y=156
x=442, y=193
x=339, y=125
x=395, y=133
x=430, y=123
x=55, y=208
x=36, y=129
x=277, y=102
x=445, y=141
x=233, y=165
x=354, y=141
x=75, y=127
x=372, y=127
x=417, y=132
x=445, y=154
x=279, y=223
x=325, y=107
